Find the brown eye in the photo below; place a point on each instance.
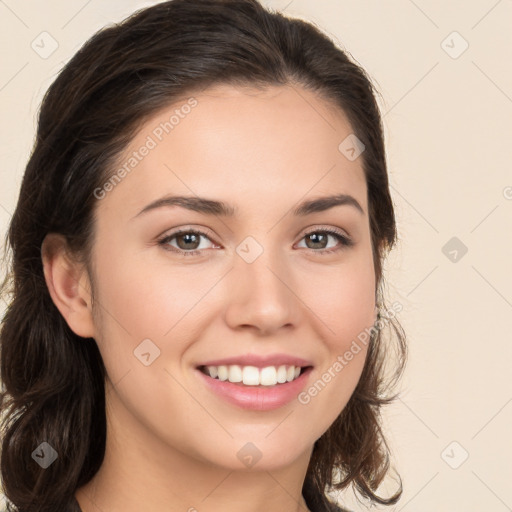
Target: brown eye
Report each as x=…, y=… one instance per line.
x=188, y=242
x=319, y=239
x=184, y=240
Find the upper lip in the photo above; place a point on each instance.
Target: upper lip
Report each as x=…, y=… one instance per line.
x=259, y=361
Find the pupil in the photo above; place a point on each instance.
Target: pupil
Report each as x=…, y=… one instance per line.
x=316, y=236
x=187, y=236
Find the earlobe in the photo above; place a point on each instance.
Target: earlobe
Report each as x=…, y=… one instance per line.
x=68, y=285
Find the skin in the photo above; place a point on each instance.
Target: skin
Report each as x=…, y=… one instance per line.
x=171, y=443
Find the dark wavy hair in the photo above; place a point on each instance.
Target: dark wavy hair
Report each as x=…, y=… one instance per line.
x=53, y=380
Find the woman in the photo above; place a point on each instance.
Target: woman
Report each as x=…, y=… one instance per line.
x=245, y=371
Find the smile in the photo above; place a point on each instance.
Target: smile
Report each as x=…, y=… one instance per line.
x=253, y=388
x=252, y=375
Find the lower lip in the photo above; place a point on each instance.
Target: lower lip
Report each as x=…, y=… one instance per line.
x=257, y=398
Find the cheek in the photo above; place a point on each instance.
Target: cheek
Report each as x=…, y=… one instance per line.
x=345, y=303
x=159, y=301
x=343, y=298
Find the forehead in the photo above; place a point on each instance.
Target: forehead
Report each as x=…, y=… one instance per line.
x=240, y=144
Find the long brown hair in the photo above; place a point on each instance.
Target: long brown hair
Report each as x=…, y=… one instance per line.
x=53, y=380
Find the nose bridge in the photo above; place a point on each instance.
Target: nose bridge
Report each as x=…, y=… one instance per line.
x=260, y=293
x=260, y=265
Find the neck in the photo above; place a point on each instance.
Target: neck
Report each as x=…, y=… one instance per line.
x=141, y=472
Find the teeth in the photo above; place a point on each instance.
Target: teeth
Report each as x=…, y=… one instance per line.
x=281, y=374
x=267, y=376
x=253, y=376
x=222, y=371
x=234, y=373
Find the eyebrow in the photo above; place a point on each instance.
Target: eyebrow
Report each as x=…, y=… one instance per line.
x=220, y=208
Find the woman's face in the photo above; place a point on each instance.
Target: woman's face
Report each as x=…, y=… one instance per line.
x=266, y=281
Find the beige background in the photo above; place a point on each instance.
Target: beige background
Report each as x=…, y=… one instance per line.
x=448, y=129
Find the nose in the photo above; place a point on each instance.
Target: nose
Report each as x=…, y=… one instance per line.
x=263, y=296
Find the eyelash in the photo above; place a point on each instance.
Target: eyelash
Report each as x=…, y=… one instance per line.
x=343, y=239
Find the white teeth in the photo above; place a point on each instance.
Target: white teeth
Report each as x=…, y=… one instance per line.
x=281, y=374
x=235, y=373
x=253, y=376
x=222, y=371
x=268, y=376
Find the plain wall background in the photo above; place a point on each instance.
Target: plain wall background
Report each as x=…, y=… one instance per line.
x=447, y=115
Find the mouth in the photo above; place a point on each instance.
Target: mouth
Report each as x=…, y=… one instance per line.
x=253, y=376
x=254, y=388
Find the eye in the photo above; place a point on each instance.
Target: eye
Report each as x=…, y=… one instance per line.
x=186, y=239
x=319, y=237
x=189, y=241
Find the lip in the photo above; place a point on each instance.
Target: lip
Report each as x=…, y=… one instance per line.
x=257, y=398
x=259, y=361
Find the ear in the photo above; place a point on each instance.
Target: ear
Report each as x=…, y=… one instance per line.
x=68, y=284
